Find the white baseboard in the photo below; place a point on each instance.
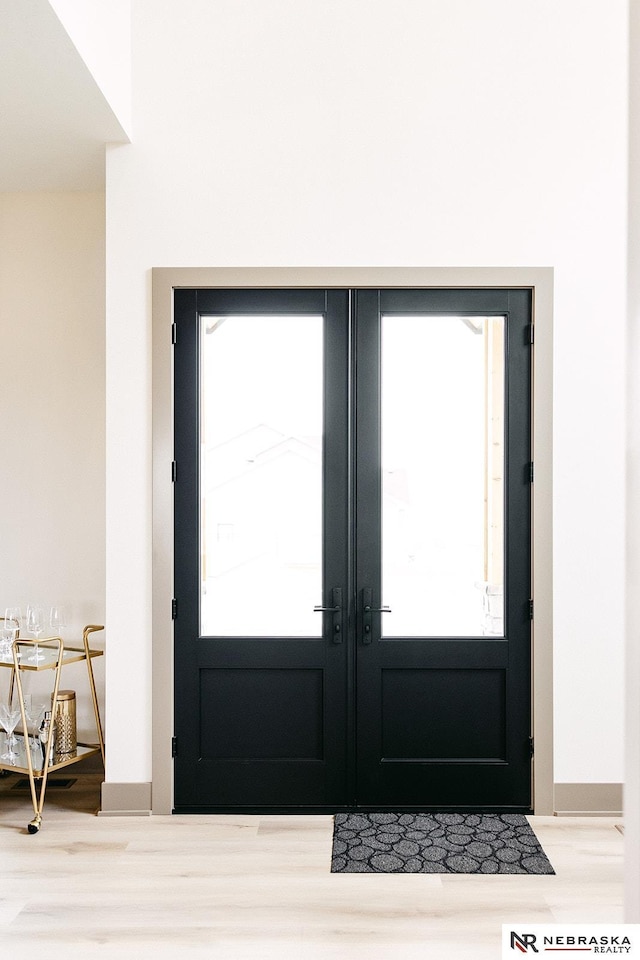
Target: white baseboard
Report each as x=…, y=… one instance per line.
x=587, y=799
x=570, y=800
x=126, y=800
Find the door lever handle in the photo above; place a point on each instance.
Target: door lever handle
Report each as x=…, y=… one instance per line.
x=367, y=610
x=336, y=610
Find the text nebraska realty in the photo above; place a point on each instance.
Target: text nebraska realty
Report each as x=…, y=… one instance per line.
x=611, y=943
x=597, y=944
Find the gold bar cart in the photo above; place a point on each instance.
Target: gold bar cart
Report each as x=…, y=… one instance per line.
x=56, y=656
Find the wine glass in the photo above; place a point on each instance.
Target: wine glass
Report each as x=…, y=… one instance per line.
x=10, y=629
x=34, y=713
x=35, y=624
x=5, y=640
x=57, y=620
x=9, y=716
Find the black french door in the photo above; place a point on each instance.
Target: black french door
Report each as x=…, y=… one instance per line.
x=352, y=549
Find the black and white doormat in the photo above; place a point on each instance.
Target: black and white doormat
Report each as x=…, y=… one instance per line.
x=485, y=843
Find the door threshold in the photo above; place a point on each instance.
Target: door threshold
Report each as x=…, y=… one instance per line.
x=337, y=808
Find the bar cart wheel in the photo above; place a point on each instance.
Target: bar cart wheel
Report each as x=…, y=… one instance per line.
x=34, y=825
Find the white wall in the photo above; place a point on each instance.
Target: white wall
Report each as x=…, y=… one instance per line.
x=290, y=132
x=101, y=32
x=632, y=787
x=52, y=410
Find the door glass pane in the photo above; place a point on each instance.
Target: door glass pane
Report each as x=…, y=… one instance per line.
x=261, y=475
x=443, y=475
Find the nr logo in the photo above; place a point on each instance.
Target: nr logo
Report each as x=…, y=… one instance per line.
x=523, y=942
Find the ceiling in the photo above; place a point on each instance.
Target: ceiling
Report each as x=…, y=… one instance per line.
x=54, y=120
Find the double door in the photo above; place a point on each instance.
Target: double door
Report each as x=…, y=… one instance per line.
x=352, y=549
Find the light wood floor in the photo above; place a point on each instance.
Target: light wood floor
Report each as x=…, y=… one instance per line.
x=259, y=888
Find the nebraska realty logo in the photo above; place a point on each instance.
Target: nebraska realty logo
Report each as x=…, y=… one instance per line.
x=622, y=939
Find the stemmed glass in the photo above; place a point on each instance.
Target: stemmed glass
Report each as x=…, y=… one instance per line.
x=9, y=716
x=57, y=620
x=34, y=713
x=5, y=640
x=35, y=623
x=10, y=628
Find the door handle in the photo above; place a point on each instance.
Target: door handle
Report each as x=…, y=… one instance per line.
x=336, y=610
x=367, y=610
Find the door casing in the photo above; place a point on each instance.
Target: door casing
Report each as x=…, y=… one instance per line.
x=165, y=280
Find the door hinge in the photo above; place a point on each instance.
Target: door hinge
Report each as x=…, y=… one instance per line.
x=531, y=472
x=174, y=471
x=174, y=333
x=174, y=747
x=532, y=334
x=531, y=748
x=174, y=609
x=530, y=609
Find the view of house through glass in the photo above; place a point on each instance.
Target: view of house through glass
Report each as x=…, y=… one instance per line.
x=261, y=475
x=442, y=475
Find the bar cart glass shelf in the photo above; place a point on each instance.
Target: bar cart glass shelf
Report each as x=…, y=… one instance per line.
x=55, y=655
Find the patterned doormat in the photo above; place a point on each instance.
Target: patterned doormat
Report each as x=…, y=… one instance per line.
x=486, y=843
